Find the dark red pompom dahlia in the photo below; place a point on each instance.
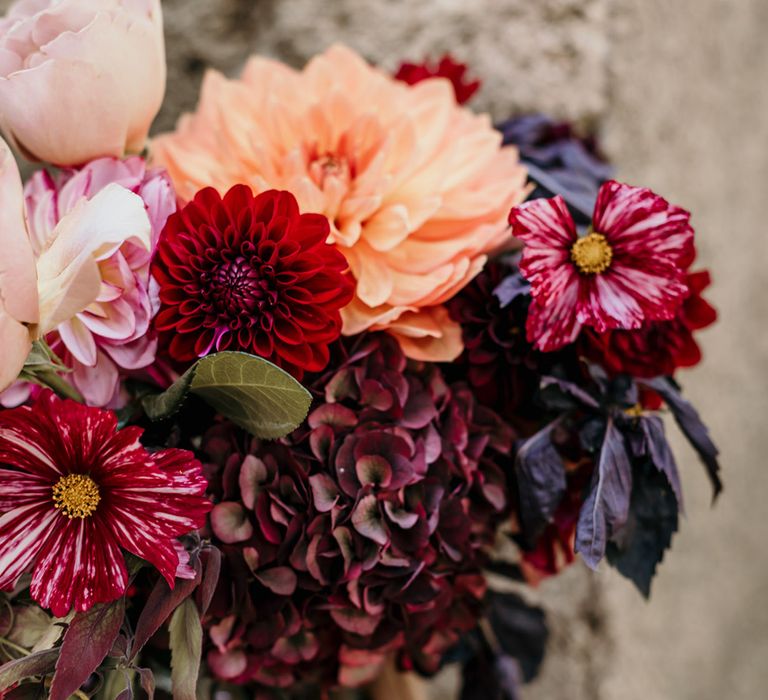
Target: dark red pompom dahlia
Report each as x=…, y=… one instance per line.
x=250, y=273
x=75, y=491
x=446, y=67
x=657, y=348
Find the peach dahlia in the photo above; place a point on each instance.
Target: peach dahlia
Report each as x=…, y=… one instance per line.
x=416, y=188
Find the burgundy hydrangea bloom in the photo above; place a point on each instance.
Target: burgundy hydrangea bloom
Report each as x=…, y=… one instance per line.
x=660, y=347
x=627, y=269
x=446, y=67
x=75, y=491
x=252, y=274
x=361, y=535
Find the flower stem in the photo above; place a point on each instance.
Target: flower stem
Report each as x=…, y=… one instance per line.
x=15, y=647
x=60, y=385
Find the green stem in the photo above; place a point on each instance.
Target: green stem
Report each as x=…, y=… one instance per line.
x=15, y=647
x=60, y=385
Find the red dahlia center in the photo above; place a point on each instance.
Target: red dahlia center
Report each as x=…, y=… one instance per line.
x=239, y=286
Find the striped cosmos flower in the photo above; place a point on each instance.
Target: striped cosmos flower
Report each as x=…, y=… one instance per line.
x=628, y=268
x=75, y=491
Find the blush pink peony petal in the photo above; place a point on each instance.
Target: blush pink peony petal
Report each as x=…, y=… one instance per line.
x=415, y=187
x=18, y=280
x=68, y=273
x=92, y=74
x=110, y=334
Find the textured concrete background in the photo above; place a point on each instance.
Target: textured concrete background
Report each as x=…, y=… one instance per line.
x=678, y=91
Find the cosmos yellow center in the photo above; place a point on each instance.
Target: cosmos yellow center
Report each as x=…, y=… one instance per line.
x=76, y=495
x=592, y=254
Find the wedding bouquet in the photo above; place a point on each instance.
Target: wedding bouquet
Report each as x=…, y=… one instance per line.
x=284, y=387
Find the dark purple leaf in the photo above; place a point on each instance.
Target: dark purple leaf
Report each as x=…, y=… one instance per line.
x=87, y=641
x=652, y=521
x=690, y=423
x=38, y=664
x=520, y=629
x=488, y=676
x=661, y=455
x=161, y=603
x=211, y=563
x=570, y=389
x=510, y=288
x=541, y=481
x=509, y=675
x=605, y=511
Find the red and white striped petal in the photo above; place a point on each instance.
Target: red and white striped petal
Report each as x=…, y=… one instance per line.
x=546, y=222
x=552, y=326
x=23, y=532
x=80, y=565
x=183, y=469
x=638, y=222
x=605, y=304
x=22, y=488
x=28, y=445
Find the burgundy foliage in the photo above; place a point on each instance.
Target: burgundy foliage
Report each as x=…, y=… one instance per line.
x=363, y=533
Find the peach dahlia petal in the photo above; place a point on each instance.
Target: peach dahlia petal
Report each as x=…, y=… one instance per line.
x=415, y=187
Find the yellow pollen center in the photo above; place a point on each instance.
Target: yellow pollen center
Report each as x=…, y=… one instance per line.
x=592, y=254
x=76, y=495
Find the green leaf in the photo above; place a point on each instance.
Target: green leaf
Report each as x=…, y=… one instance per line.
x=250, y=391
x=38, y=664
x=186, y=643
x=41, y=356
x=87, y=641
x=167, y=404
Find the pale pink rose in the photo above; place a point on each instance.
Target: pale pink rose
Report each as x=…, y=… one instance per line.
x=80, y=79
x=111, y=336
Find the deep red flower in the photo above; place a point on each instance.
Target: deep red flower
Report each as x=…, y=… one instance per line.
x=74, y=491
x=627, y=269
x=657, y=347
x=253, y=274
x=446, y=67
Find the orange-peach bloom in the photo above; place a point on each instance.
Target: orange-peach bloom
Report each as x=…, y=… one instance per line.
x=417, y=189
x=80, y=79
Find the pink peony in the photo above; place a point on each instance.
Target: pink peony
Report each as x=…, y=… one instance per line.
x=80, y=80
x=416, y=188
x=628, y=268
x=111, y=335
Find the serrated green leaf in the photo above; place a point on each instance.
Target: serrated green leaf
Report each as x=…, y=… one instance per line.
x=250, y=391
x=186, y=641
